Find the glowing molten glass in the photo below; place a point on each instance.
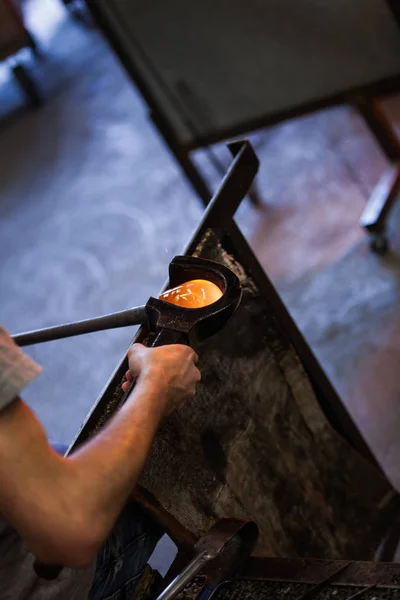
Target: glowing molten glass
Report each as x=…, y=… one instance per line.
x=193, y=294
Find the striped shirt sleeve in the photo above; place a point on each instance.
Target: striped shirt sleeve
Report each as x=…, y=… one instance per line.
x=16, y=369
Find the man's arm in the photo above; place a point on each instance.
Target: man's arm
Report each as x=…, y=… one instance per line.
x=64, y=508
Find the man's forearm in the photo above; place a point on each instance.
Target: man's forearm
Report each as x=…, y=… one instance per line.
x=73, y=502
x=63, y=508
x=105, y=470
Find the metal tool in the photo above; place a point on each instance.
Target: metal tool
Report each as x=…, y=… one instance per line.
x=158, y=314
x=124, y=318
x=172, y=324
x=223, y=549
x=175, y=324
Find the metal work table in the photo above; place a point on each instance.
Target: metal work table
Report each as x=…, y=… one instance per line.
x=267, y=438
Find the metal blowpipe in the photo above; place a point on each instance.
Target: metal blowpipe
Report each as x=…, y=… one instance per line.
x=124, y=318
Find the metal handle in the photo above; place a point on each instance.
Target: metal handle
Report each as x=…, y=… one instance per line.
x=124, y=318
x=166, y=337
x=188, y=573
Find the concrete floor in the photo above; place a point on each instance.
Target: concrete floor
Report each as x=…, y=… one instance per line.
x=93, y=207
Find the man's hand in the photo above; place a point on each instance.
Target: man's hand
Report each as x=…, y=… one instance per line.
x=170, y=370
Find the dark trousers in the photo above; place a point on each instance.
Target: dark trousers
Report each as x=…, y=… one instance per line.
x=125, y=554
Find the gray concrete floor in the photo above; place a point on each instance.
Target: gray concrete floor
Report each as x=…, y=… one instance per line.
x=93, y=206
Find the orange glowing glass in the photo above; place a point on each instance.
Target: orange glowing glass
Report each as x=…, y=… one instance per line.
x=193, y=294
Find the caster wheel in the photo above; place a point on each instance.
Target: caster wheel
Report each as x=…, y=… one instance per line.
x=379, y=243
x=27, y=85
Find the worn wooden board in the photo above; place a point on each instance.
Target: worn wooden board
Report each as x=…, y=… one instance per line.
x=255, y=444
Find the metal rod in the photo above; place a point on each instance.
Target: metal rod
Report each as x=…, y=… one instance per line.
x=124, y=318
x=310, y=593
x=360, y=593
x=187, y=575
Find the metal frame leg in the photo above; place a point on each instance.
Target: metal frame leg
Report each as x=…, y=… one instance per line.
x=27, y=85
x=382, y=199
x=183, y=157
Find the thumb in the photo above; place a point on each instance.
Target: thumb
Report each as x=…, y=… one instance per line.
x=136, y=354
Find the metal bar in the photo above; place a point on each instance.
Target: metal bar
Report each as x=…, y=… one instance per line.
x=124, y=318
x=309, y=570
x=231, y=191
x=311, y=593
x=362, y=592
